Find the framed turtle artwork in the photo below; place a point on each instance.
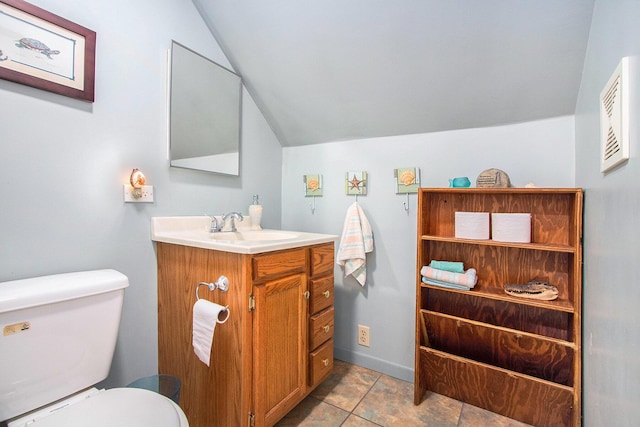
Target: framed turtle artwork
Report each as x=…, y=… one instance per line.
x=46, y=51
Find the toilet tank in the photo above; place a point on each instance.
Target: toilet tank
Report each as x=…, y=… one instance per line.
x=58, y=336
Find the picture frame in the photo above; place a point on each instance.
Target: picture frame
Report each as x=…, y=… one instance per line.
x=45, y=51
x=356, y=183
x=407, y=180
x=312, y=185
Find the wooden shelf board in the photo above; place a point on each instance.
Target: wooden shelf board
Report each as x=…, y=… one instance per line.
x=568, y=344
x=495, y=368
x=533, y=246
x=504, y=191
x=499, y=295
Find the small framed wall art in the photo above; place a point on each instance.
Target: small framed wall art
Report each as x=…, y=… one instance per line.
x=356, y=183
x=407, y=180
x=313, y=185
x=45, y=51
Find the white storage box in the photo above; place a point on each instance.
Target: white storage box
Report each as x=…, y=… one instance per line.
x=511, y=227
x=472, y=225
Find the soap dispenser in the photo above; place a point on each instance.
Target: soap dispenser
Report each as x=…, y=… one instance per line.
x=255, y=213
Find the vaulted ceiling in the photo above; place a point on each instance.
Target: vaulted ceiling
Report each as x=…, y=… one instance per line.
x=330, y=70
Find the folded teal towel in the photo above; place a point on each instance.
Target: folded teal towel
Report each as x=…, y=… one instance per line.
x=455, y=267
x=442, y=284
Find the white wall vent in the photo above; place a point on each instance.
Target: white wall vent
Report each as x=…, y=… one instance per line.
x=614, y=118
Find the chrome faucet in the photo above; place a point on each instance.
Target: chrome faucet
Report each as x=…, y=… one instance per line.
x=233, y=216
x=214, y=228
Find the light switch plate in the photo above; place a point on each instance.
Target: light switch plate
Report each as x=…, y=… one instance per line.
x=147, y=194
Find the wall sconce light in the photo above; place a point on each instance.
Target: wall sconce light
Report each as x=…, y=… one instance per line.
x=136, y=190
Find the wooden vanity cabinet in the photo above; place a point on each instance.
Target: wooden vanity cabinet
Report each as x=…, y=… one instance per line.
x=321, y=294
x=263, y=358
x=514, y=356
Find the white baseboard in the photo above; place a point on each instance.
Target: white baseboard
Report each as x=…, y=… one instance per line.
x=397, y=371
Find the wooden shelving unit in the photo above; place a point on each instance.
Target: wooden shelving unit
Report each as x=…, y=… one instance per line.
x=513, y=356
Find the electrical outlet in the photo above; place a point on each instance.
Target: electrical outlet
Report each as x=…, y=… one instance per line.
x=146, y=197
x=363, y=335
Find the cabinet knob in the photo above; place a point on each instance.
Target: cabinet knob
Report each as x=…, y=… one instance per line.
x=325, y=362
x=326, y=294
x=326, y=328
x=306, y=294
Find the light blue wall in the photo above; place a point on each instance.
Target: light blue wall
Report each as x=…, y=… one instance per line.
x=541, y=152
x=612, y=224
x=63, y=163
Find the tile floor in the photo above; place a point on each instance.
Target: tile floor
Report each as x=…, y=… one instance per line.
x=353, y=396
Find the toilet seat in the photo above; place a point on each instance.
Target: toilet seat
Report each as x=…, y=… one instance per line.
x=115, y=407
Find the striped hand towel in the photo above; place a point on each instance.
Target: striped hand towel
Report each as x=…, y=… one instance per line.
x=442, y=284
x=468, y=279
x=355, y=243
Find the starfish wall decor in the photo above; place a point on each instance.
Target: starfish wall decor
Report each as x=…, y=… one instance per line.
x=356, y=183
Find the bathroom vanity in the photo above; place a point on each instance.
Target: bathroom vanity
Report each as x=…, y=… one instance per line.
x=276, y=346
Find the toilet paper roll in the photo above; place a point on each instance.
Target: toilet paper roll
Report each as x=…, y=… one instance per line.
x=472, y=225
x=511, y=227
x=205, y=318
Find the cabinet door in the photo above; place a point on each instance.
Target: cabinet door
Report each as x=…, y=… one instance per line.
x=279, y=347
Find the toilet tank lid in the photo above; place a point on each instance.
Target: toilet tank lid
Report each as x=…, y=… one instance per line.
x=32, y=292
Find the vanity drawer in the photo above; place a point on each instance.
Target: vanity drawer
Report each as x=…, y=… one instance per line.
x=320, y=363
x=321, y=294
x=293, y=261
x=320, y=328
x=322, y=259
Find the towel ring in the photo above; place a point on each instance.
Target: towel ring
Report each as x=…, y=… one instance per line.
x=222, y=283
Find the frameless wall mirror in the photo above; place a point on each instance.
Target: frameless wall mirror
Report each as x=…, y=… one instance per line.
x=204, y=113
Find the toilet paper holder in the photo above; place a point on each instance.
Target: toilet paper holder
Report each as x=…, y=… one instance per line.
x=222, y=284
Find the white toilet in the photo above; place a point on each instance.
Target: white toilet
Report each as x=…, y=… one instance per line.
x=58, y=337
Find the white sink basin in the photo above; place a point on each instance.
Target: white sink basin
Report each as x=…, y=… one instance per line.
x=254, y=235
x=194, y=231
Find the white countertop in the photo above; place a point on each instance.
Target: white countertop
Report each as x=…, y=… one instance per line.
x=194, y=231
